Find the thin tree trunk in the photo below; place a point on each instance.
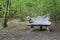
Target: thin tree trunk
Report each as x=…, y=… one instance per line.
x=6, y=14
x=5, y=20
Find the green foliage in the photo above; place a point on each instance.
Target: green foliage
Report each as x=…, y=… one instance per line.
x=22, y=8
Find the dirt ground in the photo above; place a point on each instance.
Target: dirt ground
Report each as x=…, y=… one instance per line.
x=24, y=34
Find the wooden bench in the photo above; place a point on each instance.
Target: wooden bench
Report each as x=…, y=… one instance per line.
x=40, y=21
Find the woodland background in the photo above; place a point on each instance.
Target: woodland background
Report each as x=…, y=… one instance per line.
x=22, y=8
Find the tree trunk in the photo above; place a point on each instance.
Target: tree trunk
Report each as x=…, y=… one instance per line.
x=6, y=14
x=5, y=20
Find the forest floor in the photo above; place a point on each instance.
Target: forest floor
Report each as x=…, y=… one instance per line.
x=20, y=31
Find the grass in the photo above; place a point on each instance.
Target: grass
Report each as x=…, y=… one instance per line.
x=1, y=27
x=21, y=26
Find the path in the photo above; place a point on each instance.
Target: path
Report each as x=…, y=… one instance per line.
x=23, y=34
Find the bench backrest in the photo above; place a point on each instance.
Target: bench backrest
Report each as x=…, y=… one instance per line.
x=39, y=18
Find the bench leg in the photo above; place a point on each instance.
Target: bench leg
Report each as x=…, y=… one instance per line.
x=40, y=27
x=48, y=29
x=31, y=28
